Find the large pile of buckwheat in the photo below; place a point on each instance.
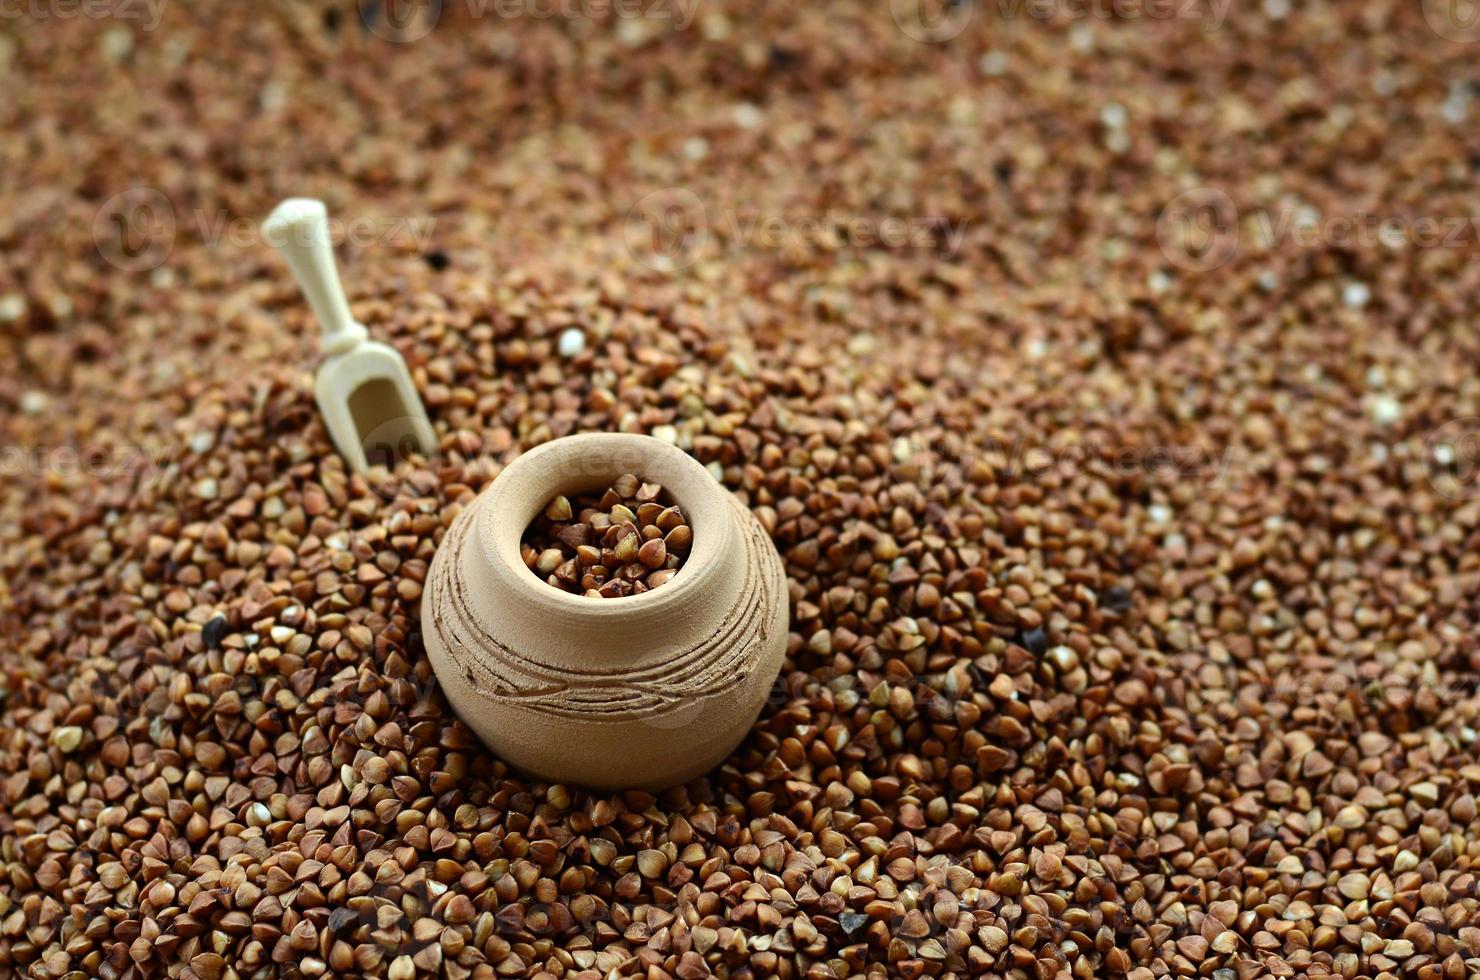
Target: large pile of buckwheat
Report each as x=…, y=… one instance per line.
x=1097, y=377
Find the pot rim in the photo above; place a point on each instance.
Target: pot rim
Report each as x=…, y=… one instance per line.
x=587, y=461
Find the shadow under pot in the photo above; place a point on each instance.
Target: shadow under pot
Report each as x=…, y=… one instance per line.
x=642, y=691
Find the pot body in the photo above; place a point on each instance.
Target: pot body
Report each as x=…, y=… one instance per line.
x=643, y=691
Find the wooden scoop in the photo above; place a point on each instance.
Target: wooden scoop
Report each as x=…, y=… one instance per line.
x=363, y=388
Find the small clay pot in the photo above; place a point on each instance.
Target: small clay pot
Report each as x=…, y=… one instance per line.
x=643, y=691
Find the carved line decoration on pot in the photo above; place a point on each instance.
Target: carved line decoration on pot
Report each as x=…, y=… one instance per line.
x=645, y=691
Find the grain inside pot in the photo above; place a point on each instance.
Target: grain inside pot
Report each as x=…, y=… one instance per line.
x=1133, y=607
x=626, y=540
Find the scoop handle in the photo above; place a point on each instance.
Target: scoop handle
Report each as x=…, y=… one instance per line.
x=299, y=229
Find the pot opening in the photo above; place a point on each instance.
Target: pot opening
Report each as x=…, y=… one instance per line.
x=623, y=538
